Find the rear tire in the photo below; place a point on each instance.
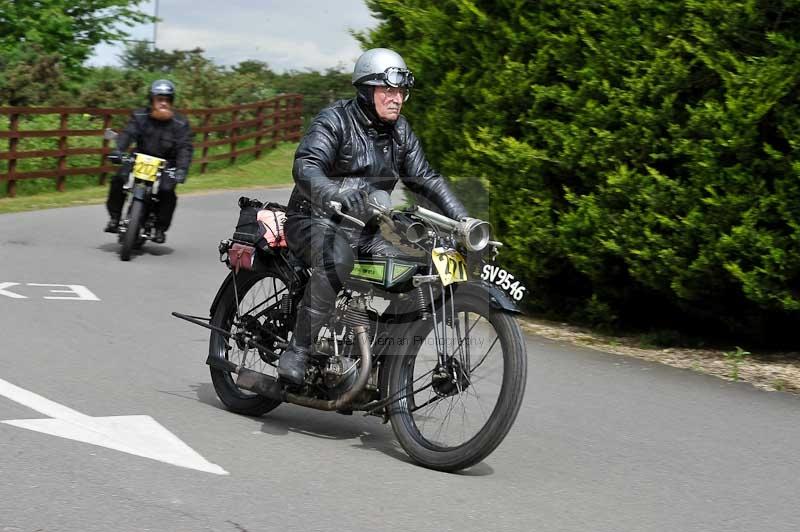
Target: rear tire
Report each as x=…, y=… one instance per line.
x=259, y=299
x=132, y=232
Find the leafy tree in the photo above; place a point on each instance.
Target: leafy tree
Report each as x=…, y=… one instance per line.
x=113, y=87
x=259, y=69
x=29, y=76
x=70, y=28
x=141, y=56
x=319, y=89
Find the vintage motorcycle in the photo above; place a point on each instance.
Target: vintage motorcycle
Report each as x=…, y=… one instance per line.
x=141, y=189
x=418, y=339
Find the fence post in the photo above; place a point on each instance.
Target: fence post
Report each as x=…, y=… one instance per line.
x=275, y=123
x=233, y=132
x=13, y=142
x=297, y=116
x=106, y=125
x=62, y=159
x=206, y=134
x=260, y=126
x=285, y=117
x=300, y=111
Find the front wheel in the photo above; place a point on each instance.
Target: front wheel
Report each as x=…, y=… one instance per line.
x=135, y=217
x=459, y=385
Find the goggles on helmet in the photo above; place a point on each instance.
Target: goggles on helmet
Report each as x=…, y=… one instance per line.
x=393, y=77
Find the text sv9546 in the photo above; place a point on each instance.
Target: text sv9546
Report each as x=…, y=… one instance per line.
x=503, y=279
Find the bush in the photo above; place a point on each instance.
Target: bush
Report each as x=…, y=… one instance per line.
x=642, y=151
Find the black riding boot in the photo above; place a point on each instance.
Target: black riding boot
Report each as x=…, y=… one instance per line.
x=292, y=366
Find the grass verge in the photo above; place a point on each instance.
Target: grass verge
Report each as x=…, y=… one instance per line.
x=274, y=168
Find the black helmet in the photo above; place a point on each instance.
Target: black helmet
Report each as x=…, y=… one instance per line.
x=162, y=87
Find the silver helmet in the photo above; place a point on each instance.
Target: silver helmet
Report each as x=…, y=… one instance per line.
x=381, y=66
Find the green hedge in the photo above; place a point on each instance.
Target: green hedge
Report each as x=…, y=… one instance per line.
x=641, y=155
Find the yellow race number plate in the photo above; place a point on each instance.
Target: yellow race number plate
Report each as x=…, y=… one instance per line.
x=450, y=264
x=146, y=167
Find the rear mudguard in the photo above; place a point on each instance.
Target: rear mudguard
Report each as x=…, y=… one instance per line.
x=223, y=287
x=262, y=263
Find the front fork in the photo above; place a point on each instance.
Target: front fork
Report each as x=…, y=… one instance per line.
x=137, y=190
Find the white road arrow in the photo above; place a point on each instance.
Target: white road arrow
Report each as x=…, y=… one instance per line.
x=138, y=435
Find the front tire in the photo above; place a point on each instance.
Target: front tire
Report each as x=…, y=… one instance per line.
x=259, y=315
x=454, y=409
x=132, y=232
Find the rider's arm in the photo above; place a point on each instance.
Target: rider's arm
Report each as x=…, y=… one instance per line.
x=423, y=180
x=314, y=159
x=184, y=148
x=130, y=134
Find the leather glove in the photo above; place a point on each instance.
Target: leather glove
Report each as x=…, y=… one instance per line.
x=354, y=202
x=115, y=156
x=180, y=175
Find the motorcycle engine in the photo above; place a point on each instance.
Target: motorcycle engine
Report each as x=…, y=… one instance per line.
x=340, y=374
x=339, y=371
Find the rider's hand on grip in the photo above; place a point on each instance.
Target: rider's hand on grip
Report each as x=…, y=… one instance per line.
x=180, y=175
x=354, y=202
x=115, y=156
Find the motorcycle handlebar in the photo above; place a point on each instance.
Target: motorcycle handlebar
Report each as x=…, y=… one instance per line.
x=473, y=233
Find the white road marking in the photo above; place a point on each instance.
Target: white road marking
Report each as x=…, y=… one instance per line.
x=12, y=295
x=137, y=435
x=79, y=292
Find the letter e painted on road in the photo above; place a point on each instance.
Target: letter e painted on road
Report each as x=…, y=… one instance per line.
x=78, y=291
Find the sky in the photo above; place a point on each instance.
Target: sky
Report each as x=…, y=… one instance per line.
x=286, y=34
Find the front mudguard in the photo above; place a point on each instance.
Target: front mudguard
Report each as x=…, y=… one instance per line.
x=496, y=298
x=402, y=314
x=141, y=193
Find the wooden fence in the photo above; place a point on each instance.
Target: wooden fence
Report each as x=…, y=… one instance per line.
x=219, y=133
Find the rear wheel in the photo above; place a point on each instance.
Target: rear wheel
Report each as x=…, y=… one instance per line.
x=135, y=217
x=459, y=385
x=257, y=316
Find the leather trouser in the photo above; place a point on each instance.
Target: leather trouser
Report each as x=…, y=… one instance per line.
x=167, y=199
x=330, y=251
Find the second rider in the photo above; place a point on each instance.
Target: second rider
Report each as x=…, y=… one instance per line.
x=161, y=132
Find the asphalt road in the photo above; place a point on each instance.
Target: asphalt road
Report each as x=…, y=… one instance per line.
x=602, y=443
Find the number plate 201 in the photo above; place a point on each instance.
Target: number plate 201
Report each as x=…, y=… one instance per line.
x=146, y=167
x=450, y=264
x=503, y=279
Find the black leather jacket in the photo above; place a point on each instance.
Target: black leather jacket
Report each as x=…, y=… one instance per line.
x=344, y=148
x=168, y=139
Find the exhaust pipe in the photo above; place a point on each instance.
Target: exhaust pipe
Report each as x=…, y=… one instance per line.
x=343, y=402
x=269, y=386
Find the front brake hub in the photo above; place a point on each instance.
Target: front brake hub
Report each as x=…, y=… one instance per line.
x=450, y=379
